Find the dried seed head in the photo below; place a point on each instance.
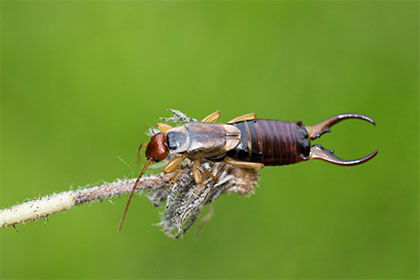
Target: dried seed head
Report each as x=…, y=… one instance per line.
x=186, y=199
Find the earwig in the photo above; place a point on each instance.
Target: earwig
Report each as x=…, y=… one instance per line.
x=243, y=142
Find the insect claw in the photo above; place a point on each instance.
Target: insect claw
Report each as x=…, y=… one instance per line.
x=317, y=130
x=319, y=152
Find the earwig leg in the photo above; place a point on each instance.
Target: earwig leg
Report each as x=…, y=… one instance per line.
x=246, y=117
x=176, y=175
x=173, y=163
x=208, y=173
x=173, y=166
x=164, y=127
x=243, y=164
x=200, y=176
x=139, y=150
x=213, y=117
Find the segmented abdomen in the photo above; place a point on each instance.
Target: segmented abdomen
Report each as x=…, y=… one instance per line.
x=271, y=142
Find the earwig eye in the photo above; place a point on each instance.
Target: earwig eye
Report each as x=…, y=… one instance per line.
x=155, y=159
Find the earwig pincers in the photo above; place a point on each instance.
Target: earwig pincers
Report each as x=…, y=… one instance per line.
x=243, y=142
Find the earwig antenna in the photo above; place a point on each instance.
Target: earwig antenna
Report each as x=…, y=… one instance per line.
x=146, y=165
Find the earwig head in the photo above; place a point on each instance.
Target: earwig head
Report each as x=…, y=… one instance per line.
x=156, y=149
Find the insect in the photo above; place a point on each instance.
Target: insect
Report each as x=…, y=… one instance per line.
x=243, y=142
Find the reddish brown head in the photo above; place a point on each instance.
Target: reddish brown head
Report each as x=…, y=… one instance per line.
x=156, y=149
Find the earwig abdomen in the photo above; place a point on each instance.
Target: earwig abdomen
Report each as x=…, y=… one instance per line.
x=271, y=142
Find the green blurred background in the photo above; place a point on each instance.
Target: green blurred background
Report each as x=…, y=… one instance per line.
x=82, y=81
